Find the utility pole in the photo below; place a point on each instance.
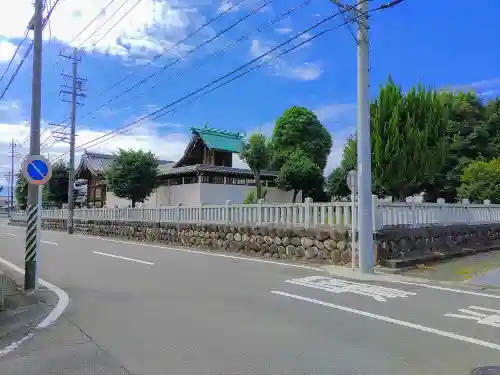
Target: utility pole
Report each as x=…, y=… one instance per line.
x=32, y=201
x=365, y=208
x=12, y=167
x=76, y=91
x=359, y=14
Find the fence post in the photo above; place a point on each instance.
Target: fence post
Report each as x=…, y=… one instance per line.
x=375, y=212
x=307, y=212
x=441, y=219
x=259, y=211
x=200, y=216
x=178, y=214
x=226, y=212
x=465, y=202
x=488, y=219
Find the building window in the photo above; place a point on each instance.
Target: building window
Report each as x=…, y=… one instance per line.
x=98, y=194
x=236, y=181
x=271, y=183
x=251, y=181
x=175, y=181
x=205, y=179
x=216, y=179
x=189, y=180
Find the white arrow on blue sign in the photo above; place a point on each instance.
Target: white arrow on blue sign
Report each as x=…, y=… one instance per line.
x=37, y=169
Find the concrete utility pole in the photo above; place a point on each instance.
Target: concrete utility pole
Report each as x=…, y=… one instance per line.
x=36, y=25
x=359, y=14
x=76, y=91
x=12, y=168
x=365, y=214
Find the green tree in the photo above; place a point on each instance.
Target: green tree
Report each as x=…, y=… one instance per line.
x=21, y=190
x=133, y=175
x=257, y=154
x=251, y=196
x=299, y=128
x=408, y=136
x=57, y=187
x=481, y=180
x=469, y=136
x=299, y=173
x=299, y=132
x=336, y=183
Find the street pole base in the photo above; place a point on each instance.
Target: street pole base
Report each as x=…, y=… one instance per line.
x=70, y=230
x=30, y=276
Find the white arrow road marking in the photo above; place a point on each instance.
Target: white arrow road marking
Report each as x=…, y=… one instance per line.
x=480, y=318
x=418, y=327
x=337, y=286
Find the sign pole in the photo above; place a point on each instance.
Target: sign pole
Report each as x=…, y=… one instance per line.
x=37, y=170
x=38, y=233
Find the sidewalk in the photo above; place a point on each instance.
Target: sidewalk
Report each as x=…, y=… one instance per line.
x=481, y=269
x=22, y=312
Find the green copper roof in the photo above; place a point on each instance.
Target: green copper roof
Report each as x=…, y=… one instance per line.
x=217, y=139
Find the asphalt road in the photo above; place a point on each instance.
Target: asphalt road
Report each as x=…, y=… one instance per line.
x=147, y=310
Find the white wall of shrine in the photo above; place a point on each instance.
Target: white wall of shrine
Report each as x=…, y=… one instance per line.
x=193, y=194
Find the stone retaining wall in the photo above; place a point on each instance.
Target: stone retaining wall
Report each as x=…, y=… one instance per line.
x=328, y=245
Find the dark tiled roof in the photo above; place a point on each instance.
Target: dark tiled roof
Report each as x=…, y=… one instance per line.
x=97, y=163
x=199, y=168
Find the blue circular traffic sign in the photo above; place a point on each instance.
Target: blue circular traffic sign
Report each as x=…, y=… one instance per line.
x=37, y=169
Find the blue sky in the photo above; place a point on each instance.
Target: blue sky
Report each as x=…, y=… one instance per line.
x=438, y=43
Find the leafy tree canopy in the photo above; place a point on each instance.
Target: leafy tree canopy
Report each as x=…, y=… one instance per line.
x=257, y=154
x=299, y=173
x=133, y=175
x=481, y=180
x=57, y=187
x=299, y=128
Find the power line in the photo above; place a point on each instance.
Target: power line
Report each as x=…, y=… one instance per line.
x=116, y=23
x=14, y=55
x=105, y=22
x=16, y=71
x=165, y=51
x=122, y=129
x=92, y=21
x=229, y=46
x=44, y=23
x=254, y=11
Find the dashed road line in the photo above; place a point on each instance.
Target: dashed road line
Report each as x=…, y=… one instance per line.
x=124, y=258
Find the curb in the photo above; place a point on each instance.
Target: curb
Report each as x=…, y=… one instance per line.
x=62, y=303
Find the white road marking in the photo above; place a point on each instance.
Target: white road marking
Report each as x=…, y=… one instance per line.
x=447, y=289
x=336, y=286
x=451, y=335
x=206, y=253
x=62, y=303
x=10, y=234
x=480, y=318
x=49, y=243
x=124, y=258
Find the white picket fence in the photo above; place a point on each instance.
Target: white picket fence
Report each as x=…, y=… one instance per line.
x=308, y=214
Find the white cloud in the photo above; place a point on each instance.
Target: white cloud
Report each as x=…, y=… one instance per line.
x=7, y=49
x=301, y=71
x=486, y=87
x=283, y=30
x=149, y=28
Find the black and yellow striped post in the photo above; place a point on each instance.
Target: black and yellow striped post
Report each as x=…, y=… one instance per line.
x=32, y=232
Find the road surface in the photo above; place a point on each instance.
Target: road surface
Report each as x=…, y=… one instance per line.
x=148, y=310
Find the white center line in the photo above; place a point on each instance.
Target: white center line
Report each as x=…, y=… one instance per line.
x=124, y=258
x=402, y=323
x=50, y=243
x=10, y=234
